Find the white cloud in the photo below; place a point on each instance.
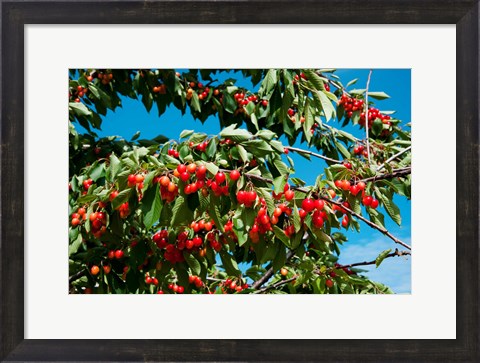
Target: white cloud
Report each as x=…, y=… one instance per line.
x=394, y=272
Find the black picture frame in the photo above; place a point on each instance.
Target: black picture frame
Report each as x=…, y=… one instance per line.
x=16, y=14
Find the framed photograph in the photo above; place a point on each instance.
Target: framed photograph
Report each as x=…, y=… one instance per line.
x=192, y=131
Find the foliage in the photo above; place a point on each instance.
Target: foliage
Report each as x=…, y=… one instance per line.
x=188, y=215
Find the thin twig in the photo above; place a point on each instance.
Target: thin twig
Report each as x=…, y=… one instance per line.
x=266, y=276
x=393, y=157
x=393, y=254
x=277, y=284
x=366, y=115
x=77, y=275
x=394, y=174
x=301, y=151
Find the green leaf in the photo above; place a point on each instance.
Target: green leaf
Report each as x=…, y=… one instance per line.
x=267, y=195
x=121, y=198
x=351, y=83
x=136, y=136
x=325, y=104
x=151, y=206
x=343, y=150
x=378, y=95
x=319, y=285
x=181, y=214
x=391, y=208
x=212, y=148
x=229, y=103
x=309, y=121
x=254, y=120
x=195, y=103
x=377, y=127
x=214, y=212
x=243, y=153
x=266, y=135
x=229, y=264
x=297, y=222
x=186, y=133
x=236, y=135
x=381, y=257
x=280, y=234
x=280, y=258
x=314, y=79
x=114, y=168
x=279, y=183
x=212, y=168
x=73, y=248
x=79, y=109
x=268, y=82
x=192, y=262
x=97, y=170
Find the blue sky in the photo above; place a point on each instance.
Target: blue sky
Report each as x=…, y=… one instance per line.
x=394, y=272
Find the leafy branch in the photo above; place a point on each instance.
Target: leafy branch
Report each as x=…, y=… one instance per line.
x=301, y=151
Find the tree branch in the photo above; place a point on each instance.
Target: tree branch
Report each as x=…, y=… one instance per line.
x=293, y=278
x=266, y=276
x=393, y=157
x=366, y=115
x=277, y=284
x=77, y=275
x=394, y=174
x=313, y=154
x=369, y=223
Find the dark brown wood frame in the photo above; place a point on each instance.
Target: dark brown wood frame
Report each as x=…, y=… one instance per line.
x=16, y=14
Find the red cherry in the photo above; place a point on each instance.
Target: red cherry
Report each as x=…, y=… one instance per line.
x=201, y=172
x=302, y=213
x=319, y=204
x=367, y=201
x=264, y=103
x=374, y=203
x=181, y=168
x=289, y=195
x=317, y=221
x=197, y=241
x=131, y=179
x=234, y=175
x=220, y=177
x=308, y=205
x=191, y=168
x=329, y=283
x=251, y=196
x=119, y=254
x=94, y=270
x=184, y=176
x=180, y=289
x=113, y=195
x=354, y=189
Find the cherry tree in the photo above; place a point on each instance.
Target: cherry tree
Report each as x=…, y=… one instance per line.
x=226, y=213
